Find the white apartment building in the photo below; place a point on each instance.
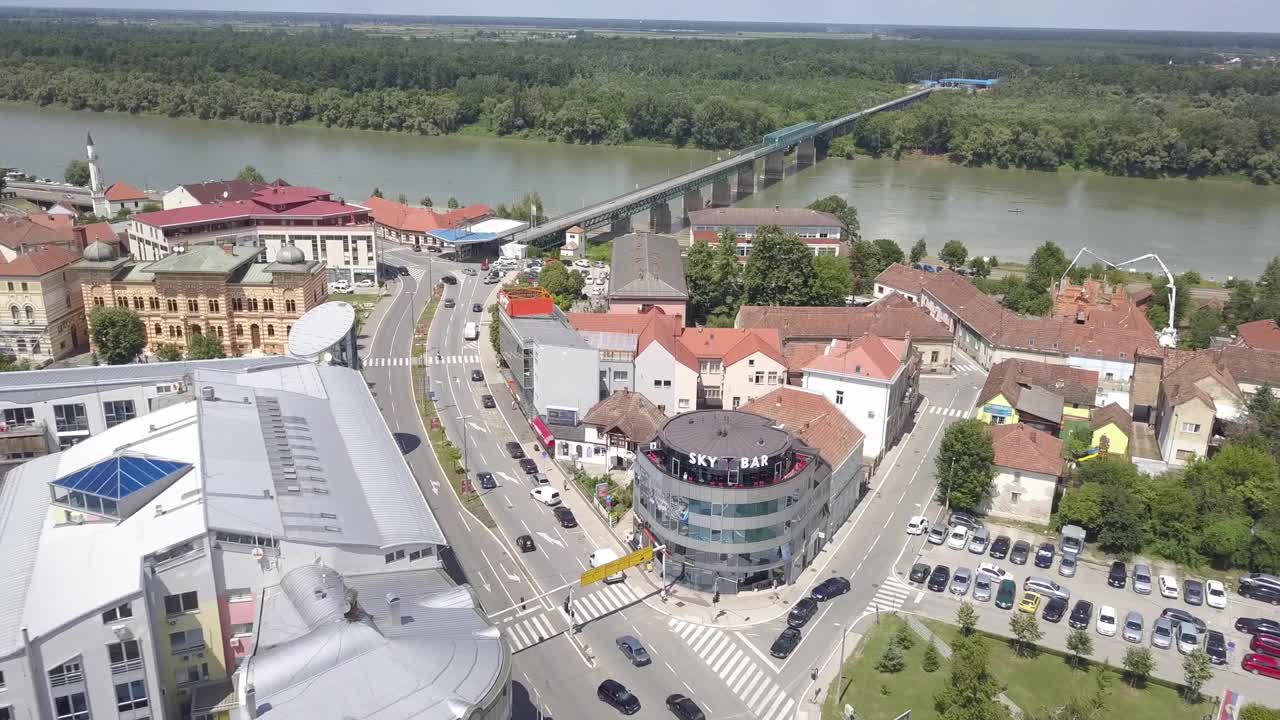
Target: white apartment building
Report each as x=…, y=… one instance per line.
x=872, y=381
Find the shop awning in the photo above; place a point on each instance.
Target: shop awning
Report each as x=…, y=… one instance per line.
x=543, y=432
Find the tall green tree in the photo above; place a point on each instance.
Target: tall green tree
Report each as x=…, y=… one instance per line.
x=1121, y=526
x=888, y=252
x=1026, y=633
x=561, y=282
x=529, y=208
x=779, y=269
x=168, y=352
x=966, y=618
x=971, y=691
x=832, y=281
x=249, y=173
x=1196, y=671
x=204, y=346
x=426, y=202
x=919, y=251
x=864, y=265
x=954, y=253
x=453, y=203
x=1080, y=645
x=1205, y=323
x=1138, y=664
x=77, y=173
x=844, y=212
x=979, y=266
x=1047, y=264
x=714, y=278
x=402, y=199
x=964, y=465
x=118, y=334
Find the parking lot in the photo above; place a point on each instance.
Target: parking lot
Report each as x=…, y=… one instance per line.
x=1090, y=583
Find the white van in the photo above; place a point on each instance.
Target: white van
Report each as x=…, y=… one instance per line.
x=471, y=331
x=604, y=556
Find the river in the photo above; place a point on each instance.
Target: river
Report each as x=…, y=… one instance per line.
x=1218, y=227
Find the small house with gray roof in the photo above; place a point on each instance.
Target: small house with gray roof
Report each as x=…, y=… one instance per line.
x=648, y=273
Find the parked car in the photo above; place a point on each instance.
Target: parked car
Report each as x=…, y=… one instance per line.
x=919, y=572
x=1215, y=594
x=488, y=401
x=996, y=572
x=1266, y=644
x=978, y=543
x=1249, y=626
x=486, y=480
x=1006, y=593
x=1018, y=555
x=965, y=519
x=937, y=535
x=830, y=588
x=528, y=465
x=545, y=495
x=514, y=450
x=1180, y=615
x=582, y=263
x=939, y=578
x=1044, y=555
x=1188, y=637
x=684, y=708
x=1054, y=609
x=960, y=581
x=1168, y=586
x=1000, y=547
x=539, y=479
x=1261, y=665
x=477, y=375
x=1081, y=614
x=617, y=695
x=1142, y=579
x=957, y=537
x=982, y=587
x=802, y=612
x=1215, y=646
x=1107, y=621
x=1193, y=592
x=1067, y=565
x=565, y=517
x=1162, y=633
x=1030, y=603
x=526, y=544
x=1133, y=627
x=1118, y=576
x=785, y=644
x=1045, y=586
x=1260, y=586
x=918, y=525
x=633, y=650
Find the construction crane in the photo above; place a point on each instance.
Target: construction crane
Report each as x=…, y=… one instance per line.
x=1168, y=337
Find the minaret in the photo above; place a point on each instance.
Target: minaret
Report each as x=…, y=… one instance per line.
x=101, y=207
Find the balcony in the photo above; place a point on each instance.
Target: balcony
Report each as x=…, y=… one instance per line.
x=125, y=666
x=21, y=429
x=66, y=678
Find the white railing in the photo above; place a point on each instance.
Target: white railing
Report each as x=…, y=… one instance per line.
x=126, y=666
x=66, y=678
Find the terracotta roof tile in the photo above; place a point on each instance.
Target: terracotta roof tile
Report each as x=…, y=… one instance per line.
x=663, y=329
x=813, y=419
x=868, y=356
x=906, y=278
x=1111, y=413
x=223, y=190
x=630, y=413
x=1261, y=334
x=38, y=263
x=893, y=317
x=1022, y=447
x=120, y=191
x=412, y=219
x=1074, y=385
x=20, y=232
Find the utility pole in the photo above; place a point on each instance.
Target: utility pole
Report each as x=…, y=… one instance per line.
x=465, y=464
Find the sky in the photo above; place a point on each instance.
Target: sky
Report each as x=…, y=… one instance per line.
x=1217, y=15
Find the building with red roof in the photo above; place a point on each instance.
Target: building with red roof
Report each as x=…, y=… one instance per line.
x=873, y=380
x=408, y=225
x=123, y=196
x=41, y=313
x=1259, y=334
x=1029, y=468
x=822, y=232
x=326, y=229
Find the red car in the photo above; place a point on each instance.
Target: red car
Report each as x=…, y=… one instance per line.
x=1261, y=665
x=1266, y=644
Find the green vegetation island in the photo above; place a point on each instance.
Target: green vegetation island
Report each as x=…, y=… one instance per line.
x=1130, y=104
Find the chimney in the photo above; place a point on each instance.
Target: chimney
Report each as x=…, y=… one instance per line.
x=393, y=608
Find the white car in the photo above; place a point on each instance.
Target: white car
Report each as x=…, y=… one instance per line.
x=958, y=538
x=1106, y=621
x=918, y=525
x=601, y=280
x=1169, y=586
x=582, y=263
x=365, y=283
x=995, y=571
x=546, y=495
x=1215, y=595
x=339, y=286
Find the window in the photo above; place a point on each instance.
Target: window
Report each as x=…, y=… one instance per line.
x=123, y=651
x=120, y=612
x=253, y=304
x=19, y=416
x=394, y=556
x=268, y=304
x=131, y=695
x=71, y=707
x=1013, y=497
x=933, y=356
x=255, y=540
x=237, y=304
x=193, y=306
x=178, y=604
x=291, y=306
x=751, y=362
x=137, y=302
x=97, y=302
x=196, y=673
x=773, y=378
x=118, y=411
x=1190, y=427
x=186, y=640
x=271, y=331
x=218, y=329
x=736, y=402
x=171, y=304
x=159, y=330
x=661, y=383
x=241, y=629
x=239, y=594
x=153, y=303
x=1187, y=455
x=239, y=330
x=70, y=418
x=31, y=313
x=214, y=305
x=619, y=375
x=839, y=397
x=683, y=403
x=17, y=314
x=6, y=712
x=174, y=553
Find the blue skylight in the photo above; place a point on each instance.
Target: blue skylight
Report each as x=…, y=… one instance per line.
x=119, y=477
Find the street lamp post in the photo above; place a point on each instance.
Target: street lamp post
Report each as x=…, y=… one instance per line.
x=844, y=632
x=465, y=464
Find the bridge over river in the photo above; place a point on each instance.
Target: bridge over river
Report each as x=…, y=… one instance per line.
x=808, y=142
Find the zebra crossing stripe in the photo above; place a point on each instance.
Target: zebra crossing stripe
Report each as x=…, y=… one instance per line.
x=774, y=706
x=787, y=708
x=734, y=658
x=752, y=672
x=722, y=648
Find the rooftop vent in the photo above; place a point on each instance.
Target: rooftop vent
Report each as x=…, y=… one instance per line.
x=206, y=392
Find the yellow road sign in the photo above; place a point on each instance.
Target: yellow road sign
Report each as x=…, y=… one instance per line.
x=627, y=561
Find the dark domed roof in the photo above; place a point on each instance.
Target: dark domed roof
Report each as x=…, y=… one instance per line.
x=99, y=251
x=290, y=255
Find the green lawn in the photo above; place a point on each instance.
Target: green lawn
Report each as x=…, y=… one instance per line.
x=600, y=251
x=864, y=686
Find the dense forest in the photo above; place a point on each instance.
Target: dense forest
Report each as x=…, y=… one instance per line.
x=1110, y=106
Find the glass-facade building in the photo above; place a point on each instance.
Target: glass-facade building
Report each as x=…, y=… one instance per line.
x=738, y=502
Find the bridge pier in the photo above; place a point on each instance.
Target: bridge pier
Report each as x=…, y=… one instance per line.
x=746, y=181
x=821, y=146
x=660, y=218
x=721, y=193
x=692, y=201
x=620, y=225
x=806, y=154
x=774, y=167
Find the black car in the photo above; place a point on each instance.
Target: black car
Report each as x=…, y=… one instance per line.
x=920, y=572
x=1118, y=576
x=1215, y=647
x=417, y=248
x=402, y=271
x=528, y=465
x=1193, y=592
x=1000, y=547
x=486, y=480
x=939, y=578
x=449, y=279
x=488, y=401
x=1250, y=626
x=477, y=307
x=802, y=612
x=1054, y=609
x=1180, y=615
x=1081, y=614
x=565, y=516
x=684, y=708
x=514, y=450
x=477, y=375
x=1018, y=555
x=830, y=588
x=448, y=302
x=785, y=643
x=1261, y=592
x=1045, y=554
x=616, y=694
x=525, y=543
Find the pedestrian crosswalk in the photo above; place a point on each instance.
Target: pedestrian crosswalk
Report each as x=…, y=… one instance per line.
x=607, y=599
x=423, y=360
x=528, y=630
x=755, y=686
x=965, y=366
x=417, y=273
x=949, y=412
x=891, y=595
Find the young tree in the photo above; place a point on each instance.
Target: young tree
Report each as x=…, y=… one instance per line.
x=966, y=618
x=377, y=192
x=426, y=202
x=844, y=212
x=118, y=334
x=979, y=266
x=778, y=270
x=1196, y=671
x=1026, y=633
x=1080, y=645
x=558, y=280
x=931, y=659
x=919, y=251
x=453, y=203
x=964, y=465
x=77, y=173
x=168, y=352
x=1138, y=664
x=832, y=282
x=1078, y=441
x=402, y=199
x=249, y=173
x=905, y=637
x=864, y=265
x=891, y=660
x=204, y=346
x=888, y=252
x=971, y=690
x=954, y=253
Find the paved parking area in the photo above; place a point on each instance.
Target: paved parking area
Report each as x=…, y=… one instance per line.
x=1090, y=583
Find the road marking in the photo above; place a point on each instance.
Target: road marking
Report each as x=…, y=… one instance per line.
x=723, y=653
x=477, y=427
x=547, y=537
x=751, y=646
x=483, y=582
x=510, y=577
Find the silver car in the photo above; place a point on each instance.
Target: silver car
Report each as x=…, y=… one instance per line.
x=1142, y=580
x=1067, y=566
x=1162, y=633
x=1045, y=586
x=978, y=543
x=960, y=581
x=1133, y=627
x=1188, y=637
x=982, y=587
x=937, y=535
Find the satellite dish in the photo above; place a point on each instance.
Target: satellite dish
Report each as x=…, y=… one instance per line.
x=327, y=358
x=258, y=553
